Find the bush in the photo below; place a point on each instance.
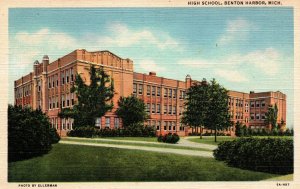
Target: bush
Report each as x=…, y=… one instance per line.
x=29, y=133
x=54, y=136
x=137, y=130
x=169, y=138
x=273, y=155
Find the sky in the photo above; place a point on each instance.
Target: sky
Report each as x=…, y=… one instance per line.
x=244, y=49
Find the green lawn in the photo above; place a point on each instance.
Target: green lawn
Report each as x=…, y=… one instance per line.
x=76, y=163
x=158, y=145
x=211, y=139
x=145, y=139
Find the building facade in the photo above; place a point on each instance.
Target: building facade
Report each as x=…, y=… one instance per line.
x=48, y=88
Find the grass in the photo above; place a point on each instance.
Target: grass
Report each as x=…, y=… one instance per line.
x=211, y=139
x=76, y=163
x=145, y=139
x=158, y=145
x=282, y=178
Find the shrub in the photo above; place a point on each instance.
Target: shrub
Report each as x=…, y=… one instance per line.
x=169, y=138
x=29, y=133
x=273, y=155
x=136, y=130
x=54, y=136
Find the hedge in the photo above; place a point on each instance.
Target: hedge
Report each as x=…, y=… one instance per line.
x=169, y=138
x=132, y=131
x=272, y=155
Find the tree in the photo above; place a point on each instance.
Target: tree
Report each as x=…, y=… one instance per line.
x=196, y=104
x=271, y=116
x=218, y=116
x=131, y=110
x=94, y=100
x=29, y=133
x=207, y=105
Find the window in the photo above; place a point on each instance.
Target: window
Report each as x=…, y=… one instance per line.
x=72, y=99
x=158, y=125
x=165, y=109
x=252, y=116
x=180, y=110
x=68, y=100
x=174, y=93
x=107, y=121
x=63, y=123
x=153, y=90
x=158, y=108
x=148, y=108
x=53, y=102
x=165, y=92
x=153, y=108
x=165, y=125
x=158, y=91
x=63, y=101
x=252, y=104
x=56, y=80
x=49, y=103
x=174, y=126
x=67, y=76
x=39, y=85
x=148, y=89
x=62, y=78
x=170, y=109
x=98, y=122
x=140, y=89
x=170, y=126
x=263, y=104
x=174, y=110
x=57, y=103
x=263, y=116
x=170, y=93
x=72, y=75
x=117, y=123
x=257, y=104
x=49, y=83
x=257, y=116
x=180, y=94
x=134, y=88
x=71, y=123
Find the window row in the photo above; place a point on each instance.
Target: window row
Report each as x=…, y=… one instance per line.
x=66, y=77
x=107, y=122
x=257, y=104
x=67, y=100
x=156, y=91
x=156, y=108
x=166, y=125
x=258, y=116
x=23, y=91
x=238, y=102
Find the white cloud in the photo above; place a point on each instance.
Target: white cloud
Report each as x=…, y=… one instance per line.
x=150, y=65
x=122, y=36
x=236, y=31
x=231, y=75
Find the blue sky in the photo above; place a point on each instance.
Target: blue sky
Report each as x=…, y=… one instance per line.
x=243, y=48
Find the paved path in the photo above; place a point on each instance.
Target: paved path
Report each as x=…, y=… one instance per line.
x=153, y=149
x=182, y=142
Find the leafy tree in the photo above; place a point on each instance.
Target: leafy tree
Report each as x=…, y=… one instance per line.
x=29, y=133
x=271, y=116
x=131, y=110
x=207, y=105
x=196, y=104
x=218, y=116
x=94, y=100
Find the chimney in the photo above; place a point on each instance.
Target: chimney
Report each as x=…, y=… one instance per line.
x=45, y=63
x=251, y=92
x=152, y=73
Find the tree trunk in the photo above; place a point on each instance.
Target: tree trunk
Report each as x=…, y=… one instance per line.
x=215, y=134
x=200, y=132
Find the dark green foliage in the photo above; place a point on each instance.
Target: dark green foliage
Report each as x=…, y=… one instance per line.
x=271, y=116
x=273, y=155
x=131, y=110
x=94, y=100
x=137, y=130
x=169, y=138
x=238, y=129
x=54, y=136
x=207, y=105
x=29, y=133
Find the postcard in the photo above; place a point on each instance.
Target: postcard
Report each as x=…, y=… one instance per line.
x=167, y=94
